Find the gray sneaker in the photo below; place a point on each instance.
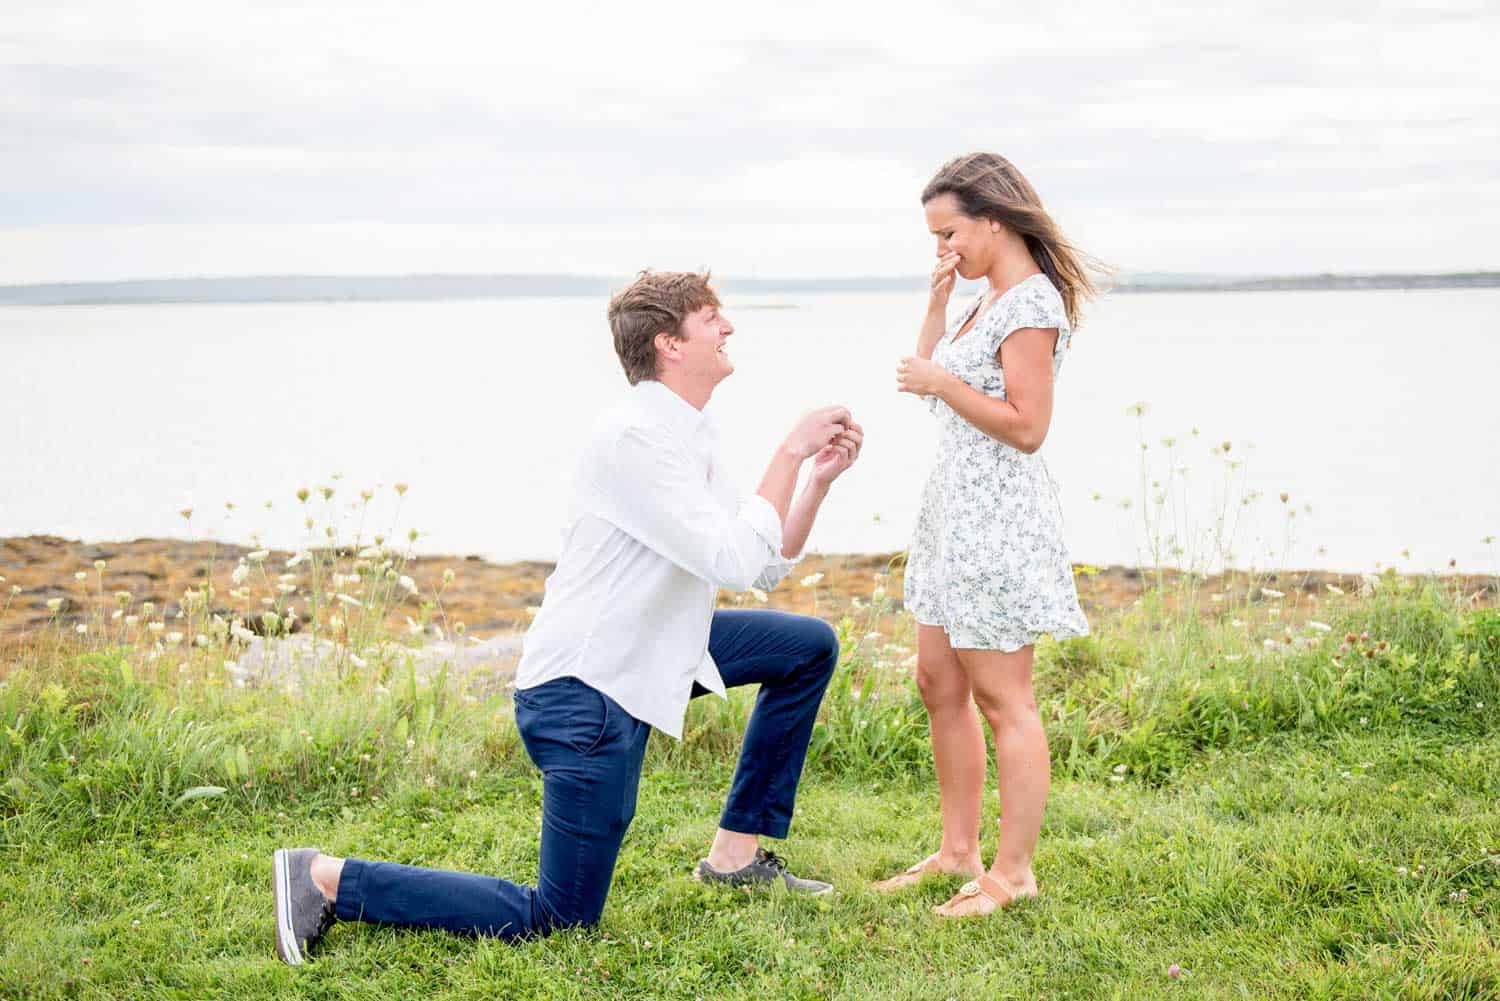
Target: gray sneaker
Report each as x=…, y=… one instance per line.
x=303, y=914
x=767, y=868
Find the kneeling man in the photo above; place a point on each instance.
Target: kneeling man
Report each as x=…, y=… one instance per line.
x=627, y=634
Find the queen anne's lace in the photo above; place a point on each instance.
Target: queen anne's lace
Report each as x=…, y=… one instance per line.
x=987, y=559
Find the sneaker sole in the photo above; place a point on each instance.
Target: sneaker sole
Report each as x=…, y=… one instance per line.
x=281, y=888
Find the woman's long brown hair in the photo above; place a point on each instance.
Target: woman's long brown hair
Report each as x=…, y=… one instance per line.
x=988, y=186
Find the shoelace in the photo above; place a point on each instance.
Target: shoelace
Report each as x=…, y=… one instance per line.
x=772, y=860
x=326, y=918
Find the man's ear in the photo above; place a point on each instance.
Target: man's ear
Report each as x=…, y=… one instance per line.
x=666, y=345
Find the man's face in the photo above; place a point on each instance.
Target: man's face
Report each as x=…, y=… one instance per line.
x=701, y=352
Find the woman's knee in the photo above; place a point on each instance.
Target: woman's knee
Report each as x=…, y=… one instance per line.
x=1005, y=710
x=943, y=687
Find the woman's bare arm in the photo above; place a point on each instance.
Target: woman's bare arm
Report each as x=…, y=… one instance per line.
x=1022, y=418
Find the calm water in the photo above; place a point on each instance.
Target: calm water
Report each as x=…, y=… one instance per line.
x=1375, y=408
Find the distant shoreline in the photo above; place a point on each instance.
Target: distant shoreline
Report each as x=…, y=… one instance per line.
x=439, y=288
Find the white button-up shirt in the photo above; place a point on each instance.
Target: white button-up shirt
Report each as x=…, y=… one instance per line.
x=654, y=531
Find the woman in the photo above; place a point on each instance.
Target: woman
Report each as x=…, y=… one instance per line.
x=988, y=572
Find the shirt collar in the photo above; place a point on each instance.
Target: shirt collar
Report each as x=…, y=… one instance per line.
x=672, y=409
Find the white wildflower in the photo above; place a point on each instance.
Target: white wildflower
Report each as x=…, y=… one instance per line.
x=54, y=604
x=287, y=588
x=173, y=639
x=80, y=628
x=358, y=661
x=1272, y=593
x=156, y=627
x=298, y=559
x=240, y=633
x=407, y=584
x=760, y=595
x=811, y=579
x=1321, y=627
x=349, y=599
x=370, y=553
x=258, y=556
x=81, y=575
x=1334, y=588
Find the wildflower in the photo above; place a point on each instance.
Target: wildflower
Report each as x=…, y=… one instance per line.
x=358, y=661
x=401, y=489
x=298, y=559
x=327, y=492
x=1238, y=623
x=1216, y=597
x=407, y=584
x=760, y=595
x=370, y=553
x=1334, y=588
x=201, y=639
x=350, y=600
x=1272, y=593
x=1174, y=971
x=81, y=575
x=54, y=603
x=100, y=565
x=336, y=623
x=811, y=579
x=1138, y=409
x=415, y=628
x=412, y=534
x=878, y=594
x=1364, y=721
x=240, y=633
x=132, y=620
x=1284, y=496
x=1225, y=446
x=1321, y=627
x=1121, y=769
x=241, y=572
x=80, y=629
x=1269, y=644
x=173, y=639
x=187, y=514
x=460, y=628
x=258, y=556
x=116, y=615
x=366, y=495
x=448, y=576
x=429, y=781
x=15, y=589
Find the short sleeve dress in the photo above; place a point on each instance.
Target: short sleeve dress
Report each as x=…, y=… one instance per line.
x=987, y=561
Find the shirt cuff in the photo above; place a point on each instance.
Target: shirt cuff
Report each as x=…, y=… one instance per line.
x=761, y=516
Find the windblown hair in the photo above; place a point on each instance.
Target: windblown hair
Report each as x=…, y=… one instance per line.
x=988, y=186
x=656, y=302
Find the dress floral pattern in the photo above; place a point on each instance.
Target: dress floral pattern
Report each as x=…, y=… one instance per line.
x=987, y=559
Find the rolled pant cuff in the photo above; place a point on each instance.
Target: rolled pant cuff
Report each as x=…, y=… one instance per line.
x=751, y=823
x=349, y=905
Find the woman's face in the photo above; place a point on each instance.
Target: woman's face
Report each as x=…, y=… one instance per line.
x=973, y=240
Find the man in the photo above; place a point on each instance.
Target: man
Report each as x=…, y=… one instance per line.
x=626, y=635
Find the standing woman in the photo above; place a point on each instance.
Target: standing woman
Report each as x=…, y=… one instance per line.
x=988, y=571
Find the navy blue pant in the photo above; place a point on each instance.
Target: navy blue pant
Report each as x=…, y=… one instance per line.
x=590, y=752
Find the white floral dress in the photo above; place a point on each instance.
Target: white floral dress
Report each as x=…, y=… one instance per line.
x=987, y=559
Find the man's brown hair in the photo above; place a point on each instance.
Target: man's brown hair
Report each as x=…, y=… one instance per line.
x=656, y=302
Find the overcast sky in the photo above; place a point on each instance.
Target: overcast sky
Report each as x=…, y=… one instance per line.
x=218, y=138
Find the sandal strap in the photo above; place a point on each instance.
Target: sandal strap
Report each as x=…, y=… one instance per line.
x=988, y=887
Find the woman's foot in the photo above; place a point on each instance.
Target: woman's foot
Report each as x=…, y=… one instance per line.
x=935, y=864
x=986, y=895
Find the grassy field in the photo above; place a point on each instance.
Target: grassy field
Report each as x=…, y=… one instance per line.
x=1293, y=796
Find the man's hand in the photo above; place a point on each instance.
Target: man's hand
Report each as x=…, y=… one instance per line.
x=838, y=456
x=921, y=376
x=816, y=430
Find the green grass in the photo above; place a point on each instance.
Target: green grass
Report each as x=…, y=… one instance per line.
x=1243, y=813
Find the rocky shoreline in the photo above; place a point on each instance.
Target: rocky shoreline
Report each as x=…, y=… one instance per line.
x=492, y=599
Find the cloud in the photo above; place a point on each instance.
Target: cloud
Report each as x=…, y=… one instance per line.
x=1271, y=120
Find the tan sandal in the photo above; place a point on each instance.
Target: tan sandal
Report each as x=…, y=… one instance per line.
x=911, y=877
x=969, y=900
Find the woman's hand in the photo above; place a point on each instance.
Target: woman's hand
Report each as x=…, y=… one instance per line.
x=944, y=277
x=921, y=376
